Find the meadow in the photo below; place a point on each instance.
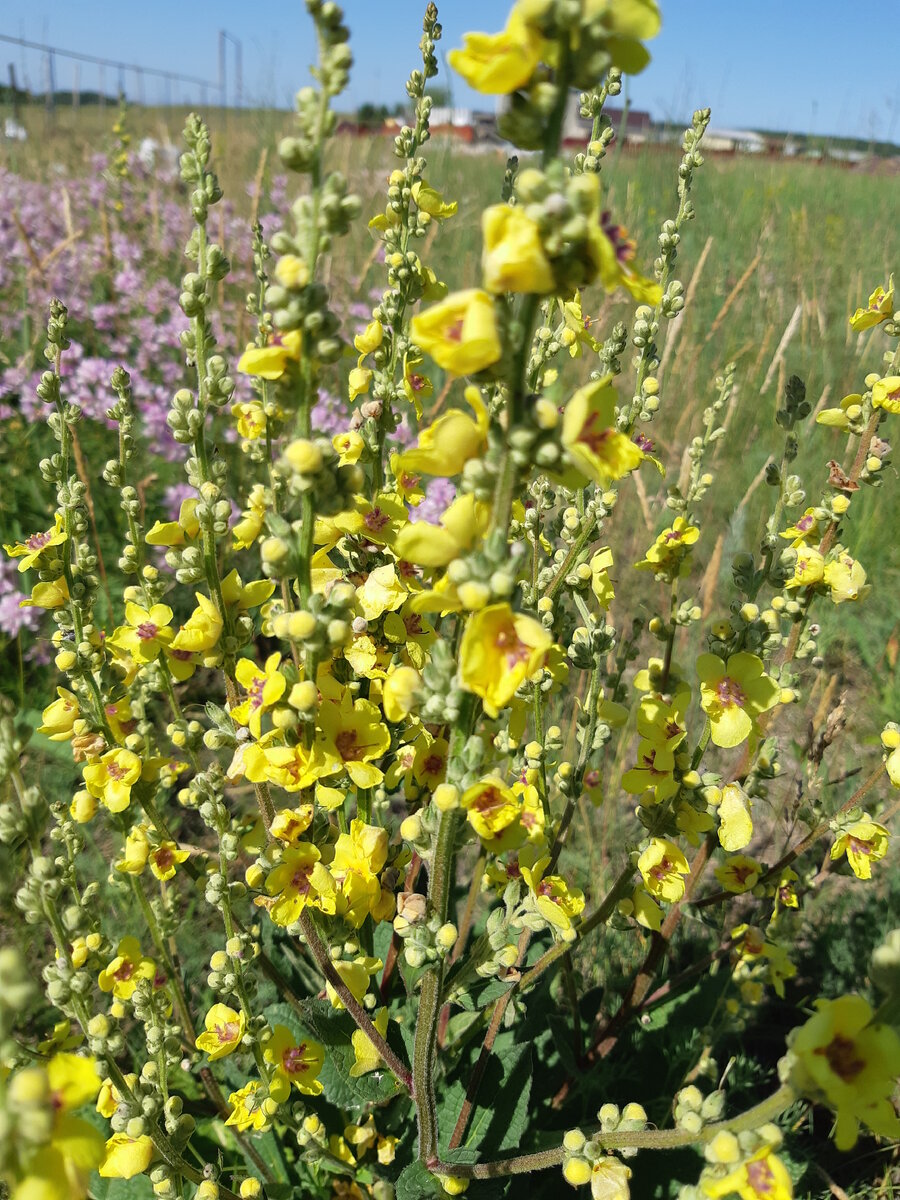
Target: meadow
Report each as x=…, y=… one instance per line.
x=782, y=252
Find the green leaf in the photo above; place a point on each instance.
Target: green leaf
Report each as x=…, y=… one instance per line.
x=138, y=1188
x=500, y=1116
x=415, y=1182
x=333, y=1028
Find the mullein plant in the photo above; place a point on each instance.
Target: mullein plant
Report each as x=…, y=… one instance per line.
x=364, y=826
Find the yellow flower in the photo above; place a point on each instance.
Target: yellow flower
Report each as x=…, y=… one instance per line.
x=176, y=533
x=845, y=1061
x=247, y=1110
x=668, y=556
x=432, y=202
x=462, y=524
x=846, y=578
x=735, y=823
x=271, y=361
x=805, y=529
x=146, y=633
x=126, y=1157
x=557, y=903
x=348, y=446
x=416, y=385
x=297, y=1064
x=864, y=842
x=886, y=393
x=609, y=1179
x=398, y=697
x=879, y=308
x=356, y=975
x=289, y=823
x=47, y=595
x=111, y=778
x=601, y=585
x=224, y=1030
x=299, y=879
x=60, y=716
x=595, y=447
x=354, y=732
x=359, y=856
x=490, y=807
x=739, y=873
x=369, y=340
x=498, y=63
x=65, y=1149
x=121, y=975
x=413, y=632
x=460, y=333
x=137, y=851
x=809, y=568
x=762, y=1177
x=241, y=596
x=359, y=381
x=444, y=448
x=499, y=651
x=248, y=529
x=381, y=592
x=250, y=419
x=377, y=522
x=662, y=866
x=513, y=259
x=264, y=689
x=733, y=695
x=33, y=547
x=202, y=629
x=165, y=858
x=366, y=1056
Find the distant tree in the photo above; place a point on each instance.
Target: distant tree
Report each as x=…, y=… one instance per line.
x=371, y=115
x=440, y=95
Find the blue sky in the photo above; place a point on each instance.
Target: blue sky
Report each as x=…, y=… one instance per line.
x=807, y=65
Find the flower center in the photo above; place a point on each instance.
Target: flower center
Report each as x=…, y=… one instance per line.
x=38, y=541
x=417, y=382
x=293, y=1060
x=163, y=858
x=760, y=1177
x=593, y=435
x=347, y=745
x=376, y=519
x=843, y=1057
x=488, y=801
x=513, y=650
x=114, y=771
x=455, y=331
x=255, y=693
x=729, y=692
x=433, y=764
x=227, y=1032
x=146, y=631
x=125, y=971
x=300, y=881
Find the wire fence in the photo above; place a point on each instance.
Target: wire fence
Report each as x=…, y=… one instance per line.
x=57, y=77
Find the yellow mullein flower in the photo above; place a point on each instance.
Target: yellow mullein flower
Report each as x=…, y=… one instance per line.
x=59, y=717
x=462, y=524
x=444, y=448
x=137, y=851
x=654, y=770
x=264, y=689
x=377, y=522
x=846, y=577
x=381, y=592
x=250, y=419
x=224, y=1030
x=370, y=339
x=248, y=1112
x=809, y=568
x=243, y=596
x=359, y=856
x=299, y=879
x=356, y=975
x=108, y=1098
x=406, y=482
x=289, y=823
x=410, y=630
x=295, y=1063
x=164, y=860
x=609, y=1179
x=879, y=308
x=126, y=1156
x=886, y=394
x=762, y=1177
x=805, y=529
x=290, y=767
x=111, y=778
x=176, y=533
x=460, y=333
x=595, y=447
x=499, y=651
x=662, y=867
x=557, y=903
x=353, y=730
x=668, y=556
x=733, y=695
x=864, y=842
x=272, y=360
x=645, y=910
x=202, y=629
x=122, y=973
x=416, y=385
x=735, y=822
x=366, y=1056
x=359, y=381
x=398, y=697
x=248, y=529
x=490, y=807
x=146, y=633
x=348, y=446
x=890, y=739
x=35, y=544
x=432, y=202
x=840, y=418
x=601, y=585
x=513, y=259
x=57, y=1164
x=739, y=873
x=47, y=595
x=845, y=1061
x=499, y=63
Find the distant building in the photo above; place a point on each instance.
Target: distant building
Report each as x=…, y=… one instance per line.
x=467, y=124
x=577, y=129
x=735, y=141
